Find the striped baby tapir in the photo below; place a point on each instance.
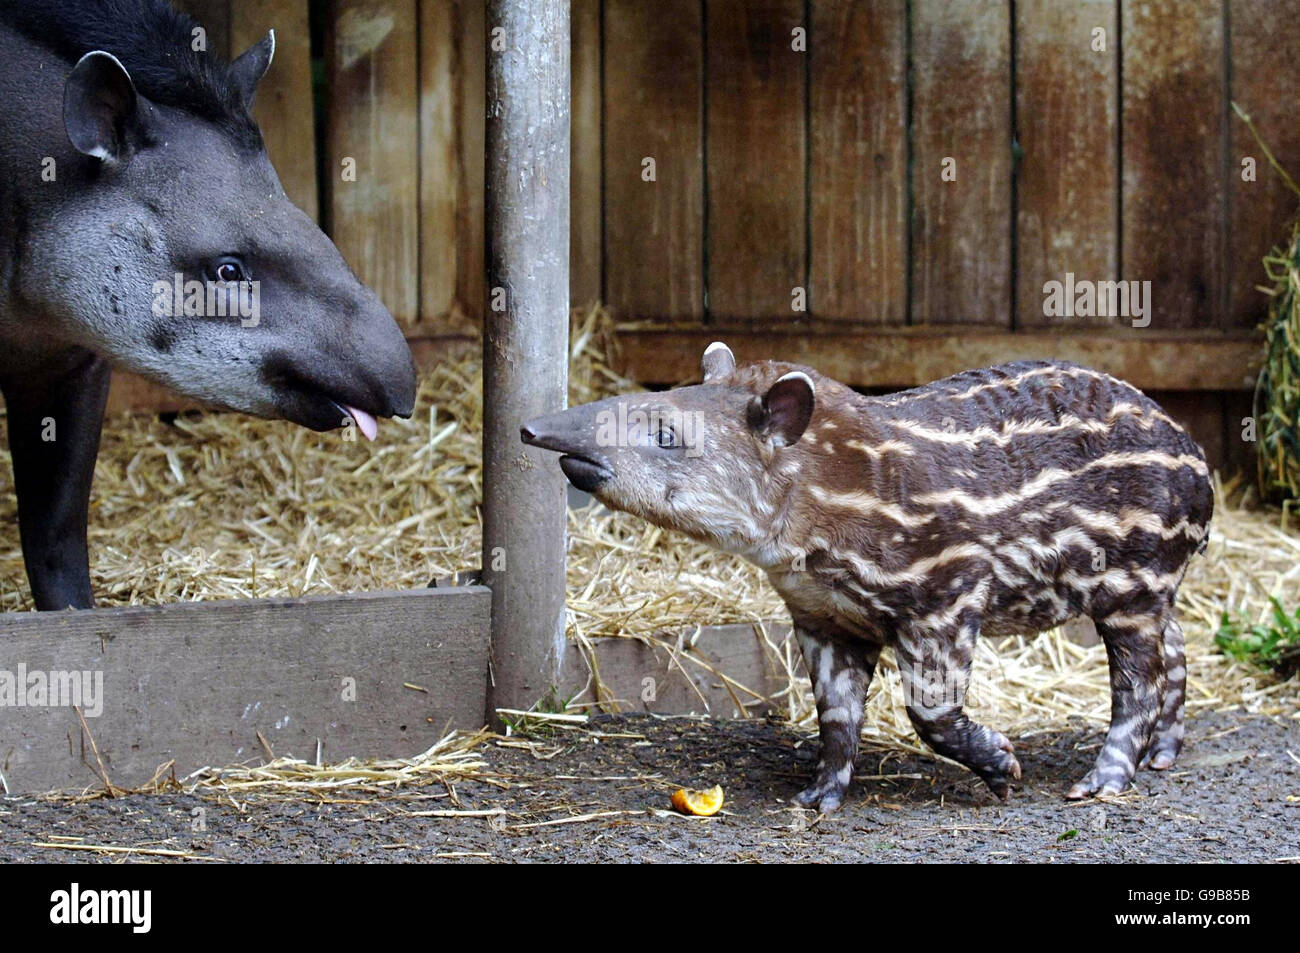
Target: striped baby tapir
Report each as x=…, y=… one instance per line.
x=997, y=501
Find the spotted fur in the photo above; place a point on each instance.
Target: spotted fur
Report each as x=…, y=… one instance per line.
x=997, y=501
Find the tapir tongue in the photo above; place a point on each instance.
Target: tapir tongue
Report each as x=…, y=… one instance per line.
x=365, y=422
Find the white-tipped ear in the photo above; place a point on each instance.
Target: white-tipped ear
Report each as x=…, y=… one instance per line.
x=718, y=361
x=100, y=107
x=787, y=408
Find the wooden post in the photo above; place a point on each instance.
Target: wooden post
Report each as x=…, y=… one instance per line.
x=525, y=342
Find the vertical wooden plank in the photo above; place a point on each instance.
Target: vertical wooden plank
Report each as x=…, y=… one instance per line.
x=858, y=161
x=374, y=125
x=1067, y=127
x=471, y=282
x=585, y=181
x=654, y=251
x=1263, y=37
x=1202, y=414
x=440, y=187
x=283, y=107
x=1173, y=157
x=756, y=116
x=961, y=111
x=1239, y=454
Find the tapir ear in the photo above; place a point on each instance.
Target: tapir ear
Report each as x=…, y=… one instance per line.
x=247, y=71
x=101, y=110
x=784, y=411
x=718, y=361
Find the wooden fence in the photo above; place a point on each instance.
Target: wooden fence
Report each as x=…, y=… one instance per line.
x=878, y=187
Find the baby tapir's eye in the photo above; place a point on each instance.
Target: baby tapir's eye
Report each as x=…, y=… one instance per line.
x=666, y=439
x=228, y=269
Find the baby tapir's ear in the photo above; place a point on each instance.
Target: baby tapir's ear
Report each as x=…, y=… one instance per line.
x=718, y=361
x=101, y=110
x=783, y=413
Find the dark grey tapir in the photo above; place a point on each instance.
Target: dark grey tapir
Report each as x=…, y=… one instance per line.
x=143, y=227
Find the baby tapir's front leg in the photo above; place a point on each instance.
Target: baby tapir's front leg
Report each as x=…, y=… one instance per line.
x=841, y=667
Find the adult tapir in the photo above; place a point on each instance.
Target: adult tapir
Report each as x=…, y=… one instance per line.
x=130, y=165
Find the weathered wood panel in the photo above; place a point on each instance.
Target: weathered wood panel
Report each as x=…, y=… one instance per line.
x=1264, y=45
x=585, y=174
x=961, y=229
x=374, y=129
x=1172, y=156
x=654, y=251
x=440, y=167
x=471, y=280
x=756, y=252
x=1068, y=180
x=906, y=357
x=858, y=161
x=196, y=682
x=283, y=107
x=628, y=675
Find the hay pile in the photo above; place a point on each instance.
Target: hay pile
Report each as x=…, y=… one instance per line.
x=1277, y=391
x=221, y=506
x=1277, y=394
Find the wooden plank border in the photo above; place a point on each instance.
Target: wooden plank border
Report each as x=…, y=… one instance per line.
x=906, y=357
x=197, y=682
x=757, y=659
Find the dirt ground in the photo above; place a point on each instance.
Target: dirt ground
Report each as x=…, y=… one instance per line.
x=599, y=794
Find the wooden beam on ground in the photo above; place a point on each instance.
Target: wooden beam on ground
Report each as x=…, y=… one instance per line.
x=906, y=357
x=727, y=671
x=628, y=675
x=525, y=342
x=198, y=682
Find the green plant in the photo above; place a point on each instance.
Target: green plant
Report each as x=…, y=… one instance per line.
x=1260, y=643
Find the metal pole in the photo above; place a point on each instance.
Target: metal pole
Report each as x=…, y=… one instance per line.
x=525, y=343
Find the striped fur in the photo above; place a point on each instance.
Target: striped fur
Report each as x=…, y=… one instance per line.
x=1001, y=500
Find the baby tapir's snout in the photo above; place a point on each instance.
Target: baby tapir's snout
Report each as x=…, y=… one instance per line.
x=574, y=434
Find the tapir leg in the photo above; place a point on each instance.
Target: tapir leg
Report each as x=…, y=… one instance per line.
x=841, y=668
x=1135, y=649
x=935, y=670
x=55, y=411
x=1168, y=738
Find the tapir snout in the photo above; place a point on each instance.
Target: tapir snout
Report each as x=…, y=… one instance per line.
x=573, y=434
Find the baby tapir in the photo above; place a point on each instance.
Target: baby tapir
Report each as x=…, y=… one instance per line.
x=1002, y=500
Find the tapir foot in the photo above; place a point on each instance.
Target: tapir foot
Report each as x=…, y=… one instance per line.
x=1097, y=782
x=1163, y=753
x=1001, y=768
x=826, y=794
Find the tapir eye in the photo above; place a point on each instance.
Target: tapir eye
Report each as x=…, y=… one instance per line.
x=666, y=439
x=228, y=269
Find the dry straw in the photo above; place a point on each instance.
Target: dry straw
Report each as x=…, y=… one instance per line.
x=1277, y=393
x=220, y=506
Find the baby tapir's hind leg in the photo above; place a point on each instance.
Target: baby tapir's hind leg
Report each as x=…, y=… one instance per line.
x=935, y=674
x=1134, y=647
x=1168, y=738
x=841, y=668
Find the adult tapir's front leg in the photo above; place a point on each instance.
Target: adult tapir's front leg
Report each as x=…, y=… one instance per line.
x=56, y=409
x=841, y=667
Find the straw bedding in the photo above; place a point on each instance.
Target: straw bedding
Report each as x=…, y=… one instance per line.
x=218, y=506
